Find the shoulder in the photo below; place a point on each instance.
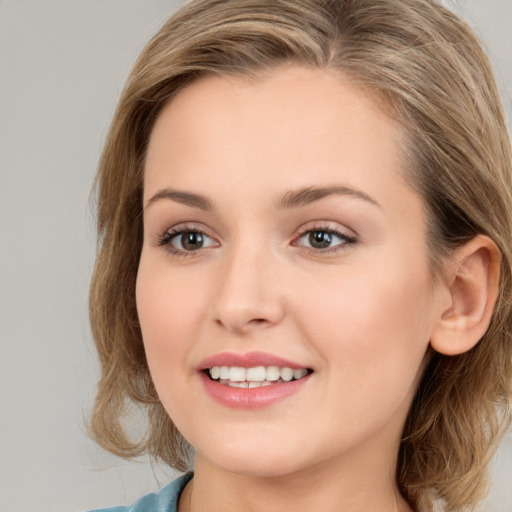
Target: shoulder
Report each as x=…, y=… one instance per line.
x=164, y=501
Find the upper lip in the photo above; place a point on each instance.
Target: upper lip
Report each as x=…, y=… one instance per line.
x=247, y=360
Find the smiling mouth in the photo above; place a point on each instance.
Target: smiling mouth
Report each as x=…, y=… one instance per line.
x=256, y=376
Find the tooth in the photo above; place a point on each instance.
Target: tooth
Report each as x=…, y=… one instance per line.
x=233, y=384
x=286, y=374
x=272, y=373
x=298, y=374
x=256, y=374
x=237, y=374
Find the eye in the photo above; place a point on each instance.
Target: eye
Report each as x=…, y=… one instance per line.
x=324, y=239
x=179, y=241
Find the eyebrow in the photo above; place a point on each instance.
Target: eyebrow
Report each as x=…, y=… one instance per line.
x=178, y=196
x=308, y=195
x=292, y=199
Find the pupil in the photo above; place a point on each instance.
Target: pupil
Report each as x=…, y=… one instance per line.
x=191, y=241
x=320, y=239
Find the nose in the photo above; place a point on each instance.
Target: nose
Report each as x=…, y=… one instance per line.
x=248, y=294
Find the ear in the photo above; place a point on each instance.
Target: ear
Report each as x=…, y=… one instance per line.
x=472, y=284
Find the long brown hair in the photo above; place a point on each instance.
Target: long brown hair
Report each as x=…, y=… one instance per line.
x=427, y=67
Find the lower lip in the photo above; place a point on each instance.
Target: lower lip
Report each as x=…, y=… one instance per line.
x=251, y=398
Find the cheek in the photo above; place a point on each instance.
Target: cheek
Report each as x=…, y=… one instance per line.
x=373, y=328
x=168, y=310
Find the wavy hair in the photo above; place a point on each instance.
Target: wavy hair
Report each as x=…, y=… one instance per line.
x=428, y=69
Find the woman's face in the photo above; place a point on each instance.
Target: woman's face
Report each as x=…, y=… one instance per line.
x=279, y=235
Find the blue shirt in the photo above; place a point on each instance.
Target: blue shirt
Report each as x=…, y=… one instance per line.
x=164, y=501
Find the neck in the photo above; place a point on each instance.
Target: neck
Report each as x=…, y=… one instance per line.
x=351, y=486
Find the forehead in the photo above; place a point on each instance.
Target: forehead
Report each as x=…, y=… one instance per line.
x=313, y=97
x=284, y=130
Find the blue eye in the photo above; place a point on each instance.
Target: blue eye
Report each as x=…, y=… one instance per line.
x=324, y=239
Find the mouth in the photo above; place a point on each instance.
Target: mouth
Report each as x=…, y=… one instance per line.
x=252, y=380
x=255, y=376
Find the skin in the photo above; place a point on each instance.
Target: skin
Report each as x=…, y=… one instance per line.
x=360, y=313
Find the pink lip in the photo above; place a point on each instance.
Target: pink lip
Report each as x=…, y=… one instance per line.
x=248, y=398
x=247, y=360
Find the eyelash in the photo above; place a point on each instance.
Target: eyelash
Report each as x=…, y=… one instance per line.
x=347, y=239
x=166, y=239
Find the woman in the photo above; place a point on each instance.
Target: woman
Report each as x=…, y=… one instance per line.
x=304, y=274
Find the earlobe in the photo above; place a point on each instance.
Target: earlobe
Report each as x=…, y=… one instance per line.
x=472, y=284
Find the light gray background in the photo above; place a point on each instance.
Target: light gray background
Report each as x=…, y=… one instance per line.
x=62, y=65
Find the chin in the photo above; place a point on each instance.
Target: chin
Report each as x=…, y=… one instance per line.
x=255, y=460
